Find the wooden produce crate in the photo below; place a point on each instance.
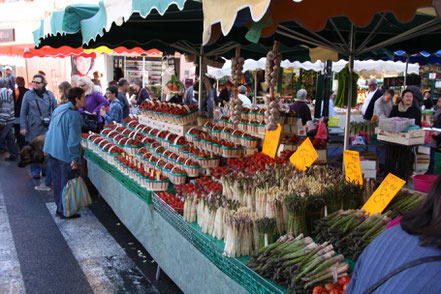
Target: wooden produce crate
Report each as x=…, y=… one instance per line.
x=410, y=138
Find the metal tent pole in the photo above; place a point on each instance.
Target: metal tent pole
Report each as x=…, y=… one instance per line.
x=405, y=72
x=255, y=88
x=200, y=96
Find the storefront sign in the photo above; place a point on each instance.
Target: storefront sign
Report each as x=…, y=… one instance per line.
x=384, y=194
x=352, y=167
x=304, y=156
x=432, y=75
x=271, y=142
x=7, y=35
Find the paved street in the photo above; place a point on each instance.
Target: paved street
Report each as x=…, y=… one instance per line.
x=41, y=253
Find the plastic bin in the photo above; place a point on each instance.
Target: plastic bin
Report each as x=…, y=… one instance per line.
x=423, y=183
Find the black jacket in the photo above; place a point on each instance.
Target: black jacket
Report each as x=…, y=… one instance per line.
x=19, y=99
x=370, y=110
x=411, y=112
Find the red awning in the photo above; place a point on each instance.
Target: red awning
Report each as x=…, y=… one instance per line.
x=29, y=51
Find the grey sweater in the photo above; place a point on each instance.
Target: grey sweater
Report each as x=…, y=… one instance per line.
x=7, y=113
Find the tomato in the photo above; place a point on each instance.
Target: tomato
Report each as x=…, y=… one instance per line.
x=335, y=291
x=345, y=287
x=343, y=280
x=319, y=290
x=329, y=287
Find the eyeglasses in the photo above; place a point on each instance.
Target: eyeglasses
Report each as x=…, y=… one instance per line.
x=35, y=82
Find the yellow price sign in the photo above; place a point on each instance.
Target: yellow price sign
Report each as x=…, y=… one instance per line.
x=352, y=167
x=271, y=142
x=384, y=194
x=304, y=156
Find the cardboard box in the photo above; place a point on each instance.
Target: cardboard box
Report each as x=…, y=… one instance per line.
x=368, y=164
x=322, y=156
x=369, y=173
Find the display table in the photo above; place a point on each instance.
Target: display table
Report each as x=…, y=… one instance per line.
x=193, y=261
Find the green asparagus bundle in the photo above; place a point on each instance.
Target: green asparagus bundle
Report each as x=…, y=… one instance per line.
x=296, y=206
x=403, y=202
x=315, y=205
x=266, y=228
x=350, y=231
x=333, y=198
x=298, y=263
x=351, y=195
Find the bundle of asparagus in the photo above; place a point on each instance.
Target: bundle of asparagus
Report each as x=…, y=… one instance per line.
x=403, y=202
x=351, y=195
x=190, y=206
x=266, y=228
x=350, y=231
x=298, y=263
x=296, y=206
x=240, y=232
x=333, y=198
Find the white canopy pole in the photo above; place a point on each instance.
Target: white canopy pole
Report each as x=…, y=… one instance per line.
x=405, y=71
x=200, y=79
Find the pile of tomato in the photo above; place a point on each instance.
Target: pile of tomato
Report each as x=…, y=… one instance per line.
x=337, y=288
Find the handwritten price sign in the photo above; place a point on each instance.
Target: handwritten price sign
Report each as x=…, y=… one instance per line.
x=304, y=156
x=352, y=167
x=271, y=142
x=384, y=194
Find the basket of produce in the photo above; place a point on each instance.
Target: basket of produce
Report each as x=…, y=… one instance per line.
x=230, y=150
x=177, y=176
x=157, y=182
x=209, y=162
x=249, y=141
x=202, y=119
x=223, y=121
x=170, y=200
x=226, y=133
x=192, y=168
x=236, y=137
x=177, y=144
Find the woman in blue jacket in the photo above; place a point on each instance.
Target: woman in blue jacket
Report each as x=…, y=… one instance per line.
x=63, y=145
x=414, y=247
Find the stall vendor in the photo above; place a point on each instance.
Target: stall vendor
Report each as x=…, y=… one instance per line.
x=407, y=108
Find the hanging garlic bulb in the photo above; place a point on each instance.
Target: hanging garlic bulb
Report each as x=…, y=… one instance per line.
x=236, y=73
x=272, y=69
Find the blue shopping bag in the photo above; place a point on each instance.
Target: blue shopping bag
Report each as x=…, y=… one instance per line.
x=75, y=196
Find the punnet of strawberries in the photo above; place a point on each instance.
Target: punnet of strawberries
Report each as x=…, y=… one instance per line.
x=173, y=201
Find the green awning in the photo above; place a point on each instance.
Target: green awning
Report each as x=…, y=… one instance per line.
x=66, y=22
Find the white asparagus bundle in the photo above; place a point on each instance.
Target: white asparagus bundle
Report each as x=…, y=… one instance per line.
x=190, y=205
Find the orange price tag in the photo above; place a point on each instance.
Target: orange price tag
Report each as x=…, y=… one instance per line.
x=352, y=167
x=384, y=194
x=271, y=142
x=304, y=156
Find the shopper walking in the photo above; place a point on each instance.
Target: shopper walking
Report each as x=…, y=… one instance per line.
x=35, y=115
x=19, y=94
x=63, y=144
x=418, y=238
x=246, y=102
x=115, y=112
x=94, y=102
x=7, y=120
x=123, y=89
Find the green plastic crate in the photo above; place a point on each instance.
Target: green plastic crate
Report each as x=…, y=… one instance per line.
x=127, y=182
x=213, y=249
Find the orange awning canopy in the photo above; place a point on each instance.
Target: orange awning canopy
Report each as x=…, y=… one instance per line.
x=29, y=51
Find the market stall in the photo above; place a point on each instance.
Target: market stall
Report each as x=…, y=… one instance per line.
x=214, y=223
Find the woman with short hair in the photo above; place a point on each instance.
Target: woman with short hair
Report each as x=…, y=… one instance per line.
x=94, y=102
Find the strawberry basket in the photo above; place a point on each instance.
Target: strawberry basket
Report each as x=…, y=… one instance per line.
x=177, y=176
x=192, y=168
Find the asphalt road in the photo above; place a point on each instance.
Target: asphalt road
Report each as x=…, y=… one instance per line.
x=40, y=253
